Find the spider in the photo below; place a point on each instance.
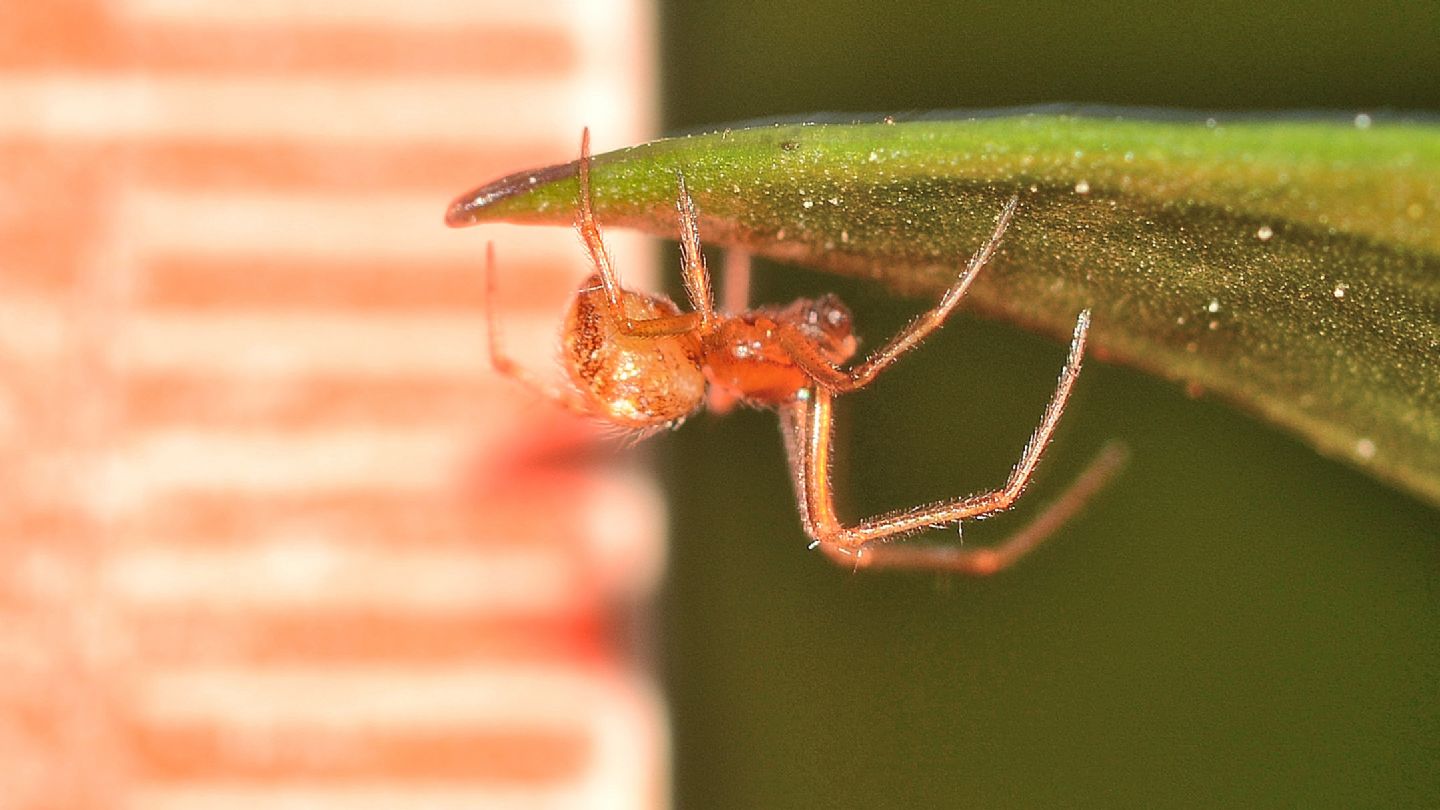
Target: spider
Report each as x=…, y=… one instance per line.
x=637, y=362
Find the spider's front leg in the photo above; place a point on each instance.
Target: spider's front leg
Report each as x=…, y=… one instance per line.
x=840, y=380
x=808, y=434
x=697, y=278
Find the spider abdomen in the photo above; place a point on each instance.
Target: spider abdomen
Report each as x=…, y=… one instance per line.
x=635, y=382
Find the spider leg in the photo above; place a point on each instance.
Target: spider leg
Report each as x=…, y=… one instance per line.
x=661, y=325
x=991, y=559
x=839, y=380
x=610, y=280
x=697, y=277
x=735, y=294
x=807, y=428
x=504, y=364
x=590, y=233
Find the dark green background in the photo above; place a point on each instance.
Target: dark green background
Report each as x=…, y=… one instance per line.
x=1236, y=622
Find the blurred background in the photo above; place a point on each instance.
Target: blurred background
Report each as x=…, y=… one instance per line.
x=273, y=535
x=1235, y=622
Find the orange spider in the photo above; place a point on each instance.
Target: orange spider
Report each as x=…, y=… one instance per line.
x=637, y=362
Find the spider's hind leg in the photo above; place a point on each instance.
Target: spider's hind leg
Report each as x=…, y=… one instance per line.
x=991, y=559
x=504, y=364
x=806, y=424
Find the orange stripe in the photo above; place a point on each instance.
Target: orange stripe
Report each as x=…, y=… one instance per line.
x=285, y=283
x=260, y=638
x=28, y=521
x=59, y=195
x=533, y=52
x=68, y=173
x=500, y=756
x=83, y=35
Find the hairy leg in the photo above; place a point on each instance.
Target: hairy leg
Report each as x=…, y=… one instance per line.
x=840, y=380
x=697, y=280
x=808, y=433
x=504, y=364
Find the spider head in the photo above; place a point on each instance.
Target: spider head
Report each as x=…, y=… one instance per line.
x=827, y=322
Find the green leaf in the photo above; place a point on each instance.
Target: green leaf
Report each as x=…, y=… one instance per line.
x=1290, y=266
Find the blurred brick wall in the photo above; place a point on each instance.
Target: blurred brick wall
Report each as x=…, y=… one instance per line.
x=271, y=532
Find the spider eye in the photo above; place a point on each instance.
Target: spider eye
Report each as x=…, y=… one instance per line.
x=834, y=316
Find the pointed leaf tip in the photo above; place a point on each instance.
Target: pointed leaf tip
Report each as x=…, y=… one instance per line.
x=474, y=206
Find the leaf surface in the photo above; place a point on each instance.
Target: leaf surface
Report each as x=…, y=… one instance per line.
x=1289, y=266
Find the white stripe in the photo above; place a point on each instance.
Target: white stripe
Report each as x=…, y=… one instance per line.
x=188, y=461
x=331, y=227
x=625, y=518
x=621, y=49
x=310, y=108
x=429, y=13
x=269, y=345
x=34, y=328
x=305, y=573
x=631, y=752
x=377, y=697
